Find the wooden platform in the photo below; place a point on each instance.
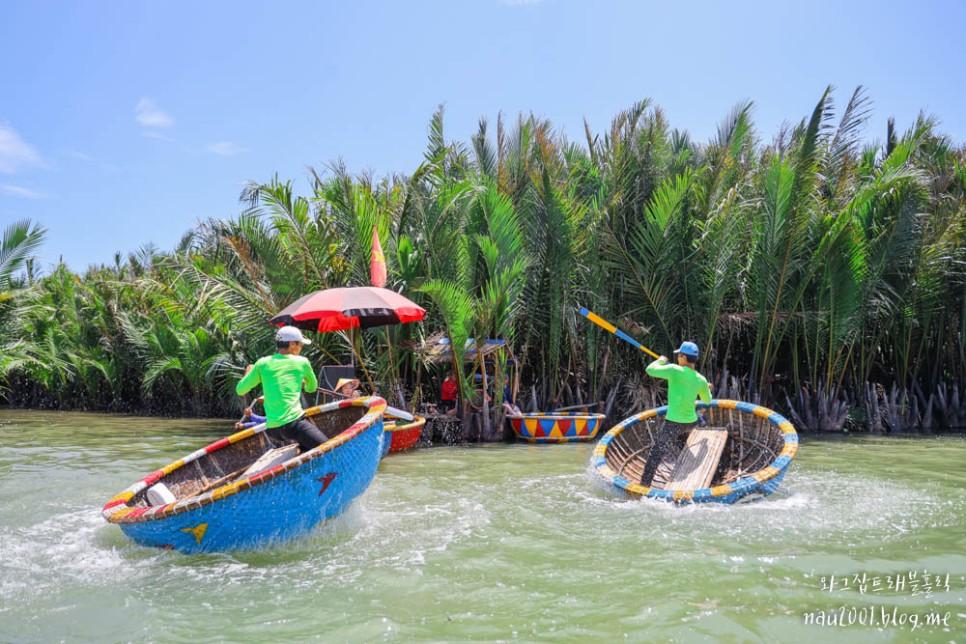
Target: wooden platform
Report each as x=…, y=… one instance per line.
x=698, y=460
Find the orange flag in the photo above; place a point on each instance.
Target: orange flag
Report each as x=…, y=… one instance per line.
x=377, y=267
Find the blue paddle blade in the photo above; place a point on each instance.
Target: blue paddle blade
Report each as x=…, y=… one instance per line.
x=623, y=336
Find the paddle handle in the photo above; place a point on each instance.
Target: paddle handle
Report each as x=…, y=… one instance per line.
x=604, y=324
x=398, y=413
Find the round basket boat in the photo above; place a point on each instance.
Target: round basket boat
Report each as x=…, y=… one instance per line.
x=756, y=447
x=244, y=491
x=400, y=434
x=562, y=427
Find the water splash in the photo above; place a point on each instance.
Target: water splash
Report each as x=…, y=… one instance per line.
x=453, y=543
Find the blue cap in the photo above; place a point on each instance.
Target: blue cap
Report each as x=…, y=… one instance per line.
x=688, y=349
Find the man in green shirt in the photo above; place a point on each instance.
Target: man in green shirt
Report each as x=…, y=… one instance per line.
x=281, y=376
x=684, y=386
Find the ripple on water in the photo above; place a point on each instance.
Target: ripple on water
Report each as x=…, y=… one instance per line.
x=439, y=537
x=810, y=506
x=73, y=549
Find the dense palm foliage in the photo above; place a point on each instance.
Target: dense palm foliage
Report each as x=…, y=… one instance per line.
x=822, y=275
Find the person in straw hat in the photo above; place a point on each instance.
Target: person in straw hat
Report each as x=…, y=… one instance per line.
x=348, y=387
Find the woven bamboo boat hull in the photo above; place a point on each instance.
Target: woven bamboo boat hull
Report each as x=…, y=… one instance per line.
x=280, y=503
x=759, y=449
x=401, y=437
x=563, y=427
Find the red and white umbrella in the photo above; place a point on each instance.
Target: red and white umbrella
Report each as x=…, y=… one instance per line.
x=339, y=309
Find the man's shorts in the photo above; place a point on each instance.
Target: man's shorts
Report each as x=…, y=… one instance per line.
x=302, y=430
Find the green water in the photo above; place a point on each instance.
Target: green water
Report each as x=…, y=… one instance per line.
x=505, y=542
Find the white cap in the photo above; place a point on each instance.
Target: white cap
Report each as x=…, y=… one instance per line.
x=291, y=334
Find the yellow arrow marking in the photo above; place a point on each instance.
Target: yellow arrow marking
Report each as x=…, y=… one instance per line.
x=198, y=531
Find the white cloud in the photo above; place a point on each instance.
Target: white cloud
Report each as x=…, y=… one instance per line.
x=224, y=148
x=79, y=156
x=83, y=157
x=151, y=134
x=14, y=151
x=149, y=114
x=17, y=191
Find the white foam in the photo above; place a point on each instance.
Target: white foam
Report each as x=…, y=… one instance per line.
x=809, y=506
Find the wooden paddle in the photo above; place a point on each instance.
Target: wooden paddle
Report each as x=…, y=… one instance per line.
x=604, y=324
x=584, y=406
x=250, y=409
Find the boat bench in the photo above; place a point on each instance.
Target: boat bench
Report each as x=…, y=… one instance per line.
x=698, y=461
x=271, y=458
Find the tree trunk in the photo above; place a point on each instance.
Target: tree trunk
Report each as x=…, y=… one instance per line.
x=486, y=390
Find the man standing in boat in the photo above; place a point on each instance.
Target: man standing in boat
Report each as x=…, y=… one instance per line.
x=684, y=386
x=282, y=376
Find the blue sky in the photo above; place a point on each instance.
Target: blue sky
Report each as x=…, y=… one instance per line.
x=125, y=123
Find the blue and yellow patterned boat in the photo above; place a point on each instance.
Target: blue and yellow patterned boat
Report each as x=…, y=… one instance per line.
x=754, y=455
x=556, y=427
x=245, y=492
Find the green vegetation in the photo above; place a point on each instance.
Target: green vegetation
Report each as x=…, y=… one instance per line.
x=822, y=276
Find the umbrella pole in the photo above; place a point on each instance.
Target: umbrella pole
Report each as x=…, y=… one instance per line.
x=392, y=367
x=352, y=346
x=362, y=363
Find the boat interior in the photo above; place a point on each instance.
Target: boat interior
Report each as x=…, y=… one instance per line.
x=239, y=460
x=731, y=445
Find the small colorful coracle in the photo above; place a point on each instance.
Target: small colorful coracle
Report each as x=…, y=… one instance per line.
x=556, y=427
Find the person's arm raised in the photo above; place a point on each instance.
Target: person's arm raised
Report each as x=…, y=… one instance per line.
x=658, y=368
x=251, y=378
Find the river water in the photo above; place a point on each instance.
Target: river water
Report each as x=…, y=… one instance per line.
x=491, y=543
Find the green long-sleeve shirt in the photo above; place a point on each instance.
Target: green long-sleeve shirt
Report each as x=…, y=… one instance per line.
x=684, y=386
x=281, y=377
